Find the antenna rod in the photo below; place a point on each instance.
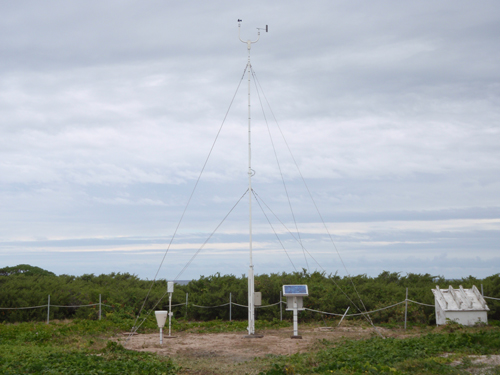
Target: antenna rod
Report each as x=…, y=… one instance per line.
x=251, y=284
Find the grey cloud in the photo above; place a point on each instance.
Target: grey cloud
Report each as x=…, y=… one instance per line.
x=108, y=111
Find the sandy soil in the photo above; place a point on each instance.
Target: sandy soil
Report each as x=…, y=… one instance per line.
x=219, y=353
x=232, y=353
x=481, y=363
x=236, y=345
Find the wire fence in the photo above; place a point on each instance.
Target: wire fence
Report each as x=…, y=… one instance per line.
x=49, y=305
x=498, y=299
x=230, y=304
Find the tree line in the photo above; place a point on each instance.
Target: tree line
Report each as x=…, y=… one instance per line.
x=124, y=294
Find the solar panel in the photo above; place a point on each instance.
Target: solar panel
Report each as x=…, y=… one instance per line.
x=295, y=290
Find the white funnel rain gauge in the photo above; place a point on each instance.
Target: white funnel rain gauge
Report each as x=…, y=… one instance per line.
x=161, y=316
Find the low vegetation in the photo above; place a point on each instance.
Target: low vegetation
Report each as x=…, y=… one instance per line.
x=74, y=347
x=124, y=294
x=432, y=353
x=89, y=347
x=76, y=342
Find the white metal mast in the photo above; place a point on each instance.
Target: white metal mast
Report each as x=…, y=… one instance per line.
x=251, y=288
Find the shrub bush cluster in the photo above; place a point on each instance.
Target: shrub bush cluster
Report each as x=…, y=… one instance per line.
x=26, y=285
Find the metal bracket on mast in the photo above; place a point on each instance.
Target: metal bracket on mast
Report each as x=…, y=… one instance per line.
x=249, y=42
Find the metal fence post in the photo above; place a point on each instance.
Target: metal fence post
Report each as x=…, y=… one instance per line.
x=186, y=314
x=100, y=307
x=281, y=308
x=482, y=292
x=48, y=310
x=406, y=306
x=230, y=304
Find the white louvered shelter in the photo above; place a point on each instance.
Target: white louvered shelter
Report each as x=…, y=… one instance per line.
x=464, y=306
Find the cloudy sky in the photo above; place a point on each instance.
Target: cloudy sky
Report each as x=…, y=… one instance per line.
x=108, y=110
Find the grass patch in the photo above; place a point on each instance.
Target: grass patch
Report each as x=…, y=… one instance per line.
x=84, y=347
x=113, y=359
x=75, y=347
x=414, y=355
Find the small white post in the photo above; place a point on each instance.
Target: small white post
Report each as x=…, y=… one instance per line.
x=295, y=317
x=48, y=310
x=230, y=305
x=170, y=290
x=161, y=335
x=406, y=306
x=281, y=307
x=100, y=309
x=170, y=314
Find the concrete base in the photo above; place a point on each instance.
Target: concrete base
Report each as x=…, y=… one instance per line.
x=253, y=336
x=326, y=328
x=296, y=337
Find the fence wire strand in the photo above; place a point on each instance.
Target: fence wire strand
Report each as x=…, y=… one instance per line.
x=420, y=303
x=211, y=307
x=357, y=314
x=237, y=304
x=22, y=308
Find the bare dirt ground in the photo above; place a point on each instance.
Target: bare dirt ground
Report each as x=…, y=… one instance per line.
x=480, y=364
x=232, y=353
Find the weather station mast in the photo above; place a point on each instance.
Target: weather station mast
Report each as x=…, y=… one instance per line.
x=251, y=172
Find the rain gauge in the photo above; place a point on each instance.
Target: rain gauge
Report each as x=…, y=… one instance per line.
x=161, y=316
